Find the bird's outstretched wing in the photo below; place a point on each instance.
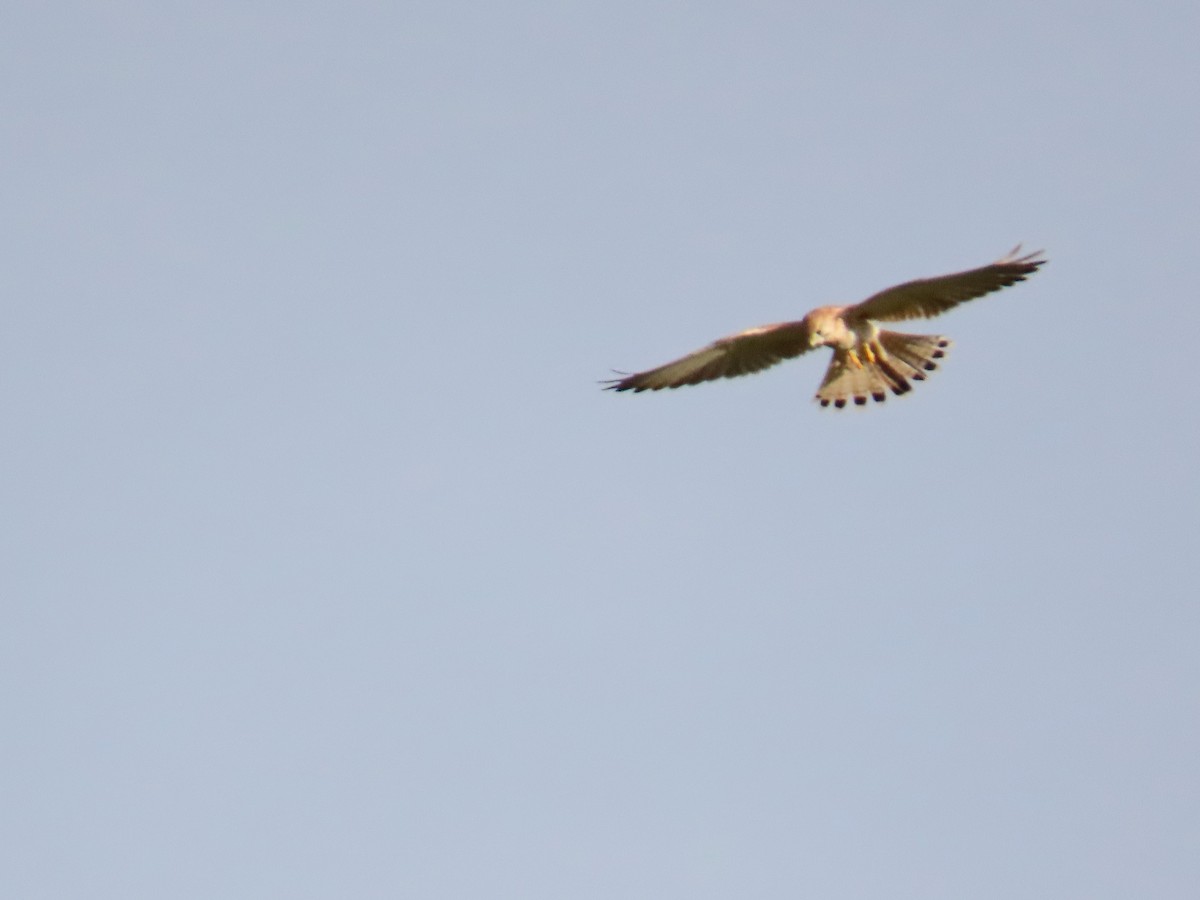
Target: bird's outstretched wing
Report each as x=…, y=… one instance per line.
x=927, y=297
x=739, y=354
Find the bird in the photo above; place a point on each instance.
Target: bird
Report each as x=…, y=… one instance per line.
x=868, y=361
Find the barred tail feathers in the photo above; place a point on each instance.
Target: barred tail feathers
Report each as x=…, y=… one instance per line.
x=905, y=358
x=918, y=353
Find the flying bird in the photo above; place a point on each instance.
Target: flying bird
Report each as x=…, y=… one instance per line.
x=867, y=360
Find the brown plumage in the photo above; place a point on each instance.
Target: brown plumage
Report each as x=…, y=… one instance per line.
x=868, y=362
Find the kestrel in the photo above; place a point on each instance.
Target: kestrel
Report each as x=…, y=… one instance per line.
x=867, y=361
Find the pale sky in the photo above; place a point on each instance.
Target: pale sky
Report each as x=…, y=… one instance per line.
x=330, y=572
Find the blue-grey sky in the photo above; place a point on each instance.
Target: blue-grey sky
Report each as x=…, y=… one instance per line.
x=329, y=571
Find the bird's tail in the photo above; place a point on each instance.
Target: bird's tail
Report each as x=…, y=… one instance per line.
x=893, y=362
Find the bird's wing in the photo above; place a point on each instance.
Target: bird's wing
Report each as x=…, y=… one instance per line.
x=739, y=354
x=927, y=297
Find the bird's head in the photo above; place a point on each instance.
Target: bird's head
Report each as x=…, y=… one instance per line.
x=822, y=326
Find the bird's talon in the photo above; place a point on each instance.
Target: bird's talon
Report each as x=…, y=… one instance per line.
x=853, y=357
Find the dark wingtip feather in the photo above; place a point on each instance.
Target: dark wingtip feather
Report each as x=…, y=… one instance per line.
x=617, y=384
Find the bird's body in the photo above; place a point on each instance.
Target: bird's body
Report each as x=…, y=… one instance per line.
x=867, y=360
